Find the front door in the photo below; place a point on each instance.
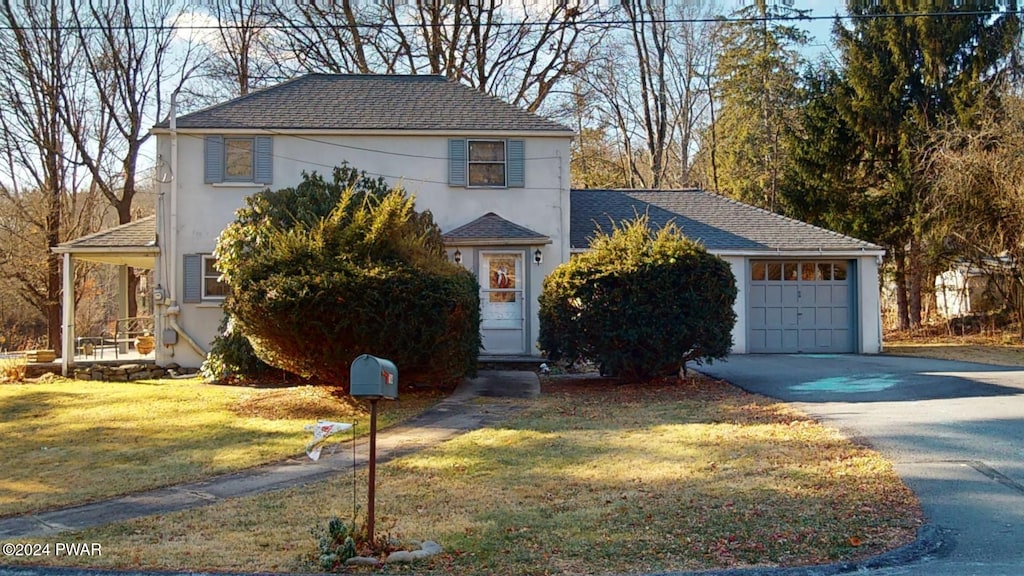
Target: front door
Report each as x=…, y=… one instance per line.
x=502, y=302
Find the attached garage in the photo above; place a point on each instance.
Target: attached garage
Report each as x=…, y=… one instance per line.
x=802, y=289
x=801, y=306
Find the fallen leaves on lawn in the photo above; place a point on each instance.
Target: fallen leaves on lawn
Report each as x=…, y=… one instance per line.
x=298, y=402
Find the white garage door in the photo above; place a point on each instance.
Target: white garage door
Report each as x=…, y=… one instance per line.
x=800, y=306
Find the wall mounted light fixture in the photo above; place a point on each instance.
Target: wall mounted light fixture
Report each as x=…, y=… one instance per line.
x=538, y=257
x=457, y=257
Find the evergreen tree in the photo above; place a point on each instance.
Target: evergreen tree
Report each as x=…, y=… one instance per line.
x=902, y=75
x=823, y=177
x=758, y=75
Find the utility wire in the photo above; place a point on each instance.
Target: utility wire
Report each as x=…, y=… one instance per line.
x=357, y=148
x=398, y=177
x=542, y=23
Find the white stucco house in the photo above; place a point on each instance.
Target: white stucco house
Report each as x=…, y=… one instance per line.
x=496, y=179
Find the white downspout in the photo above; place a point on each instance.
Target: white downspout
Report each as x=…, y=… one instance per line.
x=172, y=257
x=173, y=310
x=564, y=193
x=172, y=319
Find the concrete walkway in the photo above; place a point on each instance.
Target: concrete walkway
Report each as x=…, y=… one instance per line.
x=465, y=410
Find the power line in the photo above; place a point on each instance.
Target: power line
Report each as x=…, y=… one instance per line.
x=328, y=167
x=542, y=23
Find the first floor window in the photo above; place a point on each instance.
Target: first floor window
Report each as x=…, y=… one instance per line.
x=212, y=285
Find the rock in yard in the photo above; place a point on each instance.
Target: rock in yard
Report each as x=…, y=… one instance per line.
x=400, y=556
x=361, y=561
x=431, y=547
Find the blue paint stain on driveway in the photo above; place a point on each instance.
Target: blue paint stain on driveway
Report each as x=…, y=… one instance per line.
x=864, y=378
x=847, y=384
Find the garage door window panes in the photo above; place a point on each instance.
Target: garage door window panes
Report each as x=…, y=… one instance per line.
x=798, y=272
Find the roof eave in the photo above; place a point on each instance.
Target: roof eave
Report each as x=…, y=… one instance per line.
x=368, y=132
x=783, y=252
x=76, y=250
x=798, y=252
x=496, y=241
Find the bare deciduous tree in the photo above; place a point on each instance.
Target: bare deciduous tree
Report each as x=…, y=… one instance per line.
x=127, y=65
x=40, y=186
x=977, y=202
x=246, y=51
x=514, y=50
x=652, y=80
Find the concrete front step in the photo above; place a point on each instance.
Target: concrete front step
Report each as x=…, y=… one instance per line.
x=518, y=362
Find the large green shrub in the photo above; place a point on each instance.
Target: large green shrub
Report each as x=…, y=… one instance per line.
x=640, y=303
x=232, y=359
x=326, y=271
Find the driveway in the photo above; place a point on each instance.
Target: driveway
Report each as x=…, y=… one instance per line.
x=954, y=430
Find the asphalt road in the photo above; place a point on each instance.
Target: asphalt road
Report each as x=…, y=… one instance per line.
x=954, y=430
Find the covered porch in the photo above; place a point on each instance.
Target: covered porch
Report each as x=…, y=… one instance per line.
x=129, y=245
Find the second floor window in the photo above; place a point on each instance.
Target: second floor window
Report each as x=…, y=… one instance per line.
x=486, y=163
x=238, y=159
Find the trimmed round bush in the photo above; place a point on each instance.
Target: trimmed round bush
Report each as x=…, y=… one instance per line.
x=640, y=303
x=326, y=271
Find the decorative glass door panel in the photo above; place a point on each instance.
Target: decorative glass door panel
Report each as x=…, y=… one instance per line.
x=502, y=302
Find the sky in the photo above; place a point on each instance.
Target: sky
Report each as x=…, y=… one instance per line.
x=820, y=30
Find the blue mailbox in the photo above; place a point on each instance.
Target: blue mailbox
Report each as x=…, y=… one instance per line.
x=373, y=377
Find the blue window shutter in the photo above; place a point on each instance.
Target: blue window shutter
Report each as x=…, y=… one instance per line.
x=457, y=162
x=193, y=278
x=214, y=155
x=515, y=156
x=264, y=170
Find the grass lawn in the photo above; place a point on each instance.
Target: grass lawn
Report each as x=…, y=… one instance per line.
x=595, y=477
x=1000, y=349
x=70, y=442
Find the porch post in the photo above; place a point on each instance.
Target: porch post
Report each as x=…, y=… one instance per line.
x=122, y=305
x=67, y=356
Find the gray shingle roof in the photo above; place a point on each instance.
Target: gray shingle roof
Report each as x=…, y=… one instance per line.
x=716, y=221
x=493, y=229
x=139, y=233
x=368, y=102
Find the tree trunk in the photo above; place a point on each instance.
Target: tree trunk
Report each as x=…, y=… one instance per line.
x=1018, y=300
x=901, y=290
x=914, y=284
x=54, y=285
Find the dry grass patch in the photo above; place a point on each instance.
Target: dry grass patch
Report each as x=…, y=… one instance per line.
x=70, y=442
x=594, y=478
x=998, y=349
x=12, y=369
